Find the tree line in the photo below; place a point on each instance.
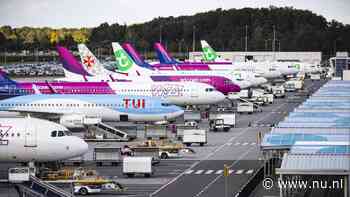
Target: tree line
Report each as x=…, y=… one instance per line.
x=225, y=30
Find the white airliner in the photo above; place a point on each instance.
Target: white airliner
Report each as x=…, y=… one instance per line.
x=31, y=139
x=184, y=93
x=265, y=69
x=179, y=93
x=77, y=110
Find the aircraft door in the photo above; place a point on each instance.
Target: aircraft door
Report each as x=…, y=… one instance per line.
x=30, y=135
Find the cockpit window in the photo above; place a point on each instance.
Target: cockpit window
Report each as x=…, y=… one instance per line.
x=60, y=133
x=53, y=133
x=209, y=89
x=272, y=69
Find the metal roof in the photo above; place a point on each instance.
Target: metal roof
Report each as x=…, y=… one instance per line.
x=322, y=147
x=314, y=124
x=277, y=141
x=324, y=130
x=319, y=115
x=321, y=164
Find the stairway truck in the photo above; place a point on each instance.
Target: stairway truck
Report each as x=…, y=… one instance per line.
x=194, y=136
x=245, y=107
x=137, y=165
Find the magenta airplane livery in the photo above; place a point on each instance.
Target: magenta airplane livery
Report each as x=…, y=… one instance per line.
x=127, y=65
x=10, y=88
x=133, y=71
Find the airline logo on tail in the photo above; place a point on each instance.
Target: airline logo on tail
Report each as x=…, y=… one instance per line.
x=89, y=61
x=208, y=53
x=124, y=63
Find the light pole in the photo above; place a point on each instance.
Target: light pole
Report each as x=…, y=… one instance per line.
x=274, y=39
x=194, y=38
x=246, y=38
x=160, y=33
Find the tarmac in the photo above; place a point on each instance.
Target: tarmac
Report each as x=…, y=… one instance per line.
x=201, y=174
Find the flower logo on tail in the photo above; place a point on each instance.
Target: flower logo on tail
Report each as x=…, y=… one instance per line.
x=89, y=61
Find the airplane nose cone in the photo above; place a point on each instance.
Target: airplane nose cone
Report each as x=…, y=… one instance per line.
x=176, y=112
x=262, y=80
x=245, y=84
x=218, y=97
x=79, y=147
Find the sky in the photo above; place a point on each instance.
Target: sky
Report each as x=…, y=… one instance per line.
x=91, y=13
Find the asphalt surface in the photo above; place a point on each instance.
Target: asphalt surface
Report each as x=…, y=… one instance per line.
x=200, y=174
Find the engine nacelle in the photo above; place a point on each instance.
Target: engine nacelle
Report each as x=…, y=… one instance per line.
x=78, y=121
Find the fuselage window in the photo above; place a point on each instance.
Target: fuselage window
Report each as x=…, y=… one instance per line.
x=18, y=134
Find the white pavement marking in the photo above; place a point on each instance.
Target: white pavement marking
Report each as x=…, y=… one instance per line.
x=230, y=171
x=250, y=171
x=189, y=171
x=199, y=172
x=228, y=144
x=219, y=172
x=245, y=143
x=253, y=143
x=219, y=176
x=208, y=156
x=239, y=171
x=237, y=143
x=209, y=172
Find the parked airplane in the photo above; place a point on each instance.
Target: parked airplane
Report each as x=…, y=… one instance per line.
x=243, y=78
x=127, y=65
x=179, y=93
x=26, y=139
x=267, y=69
x=74, y=111
x=184, y=93
x=222, y=84
x=10, y=88
x=219, y=65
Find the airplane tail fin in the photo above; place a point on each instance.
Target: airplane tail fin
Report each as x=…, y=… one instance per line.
x=208, y=53
x=70, y=63
x=135, y=55
x=125, y=64
x=5, y=79
x=90, y=62
x=163, y=55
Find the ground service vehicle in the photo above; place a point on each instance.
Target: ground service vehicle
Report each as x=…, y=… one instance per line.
x=192, y=136
x=137, y=165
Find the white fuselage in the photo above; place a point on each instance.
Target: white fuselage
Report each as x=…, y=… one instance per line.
x=178, y=93
x=106, y=107
x=31, y=139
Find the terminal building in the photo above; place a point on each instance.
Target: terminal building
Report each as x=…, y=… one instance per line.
x=302, y=56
